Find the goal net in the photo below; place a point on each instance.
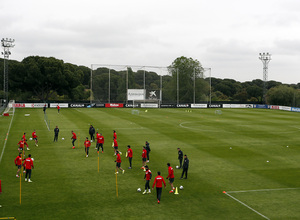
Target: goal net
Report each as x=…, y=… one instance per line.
x=10, y=108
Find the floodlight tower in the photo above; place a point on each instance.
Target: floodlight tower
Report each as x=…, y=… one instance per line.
x=265, y=59
x=6, y=43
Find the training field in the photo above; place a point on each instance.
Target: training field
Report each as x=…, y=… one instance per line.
x=244, y=164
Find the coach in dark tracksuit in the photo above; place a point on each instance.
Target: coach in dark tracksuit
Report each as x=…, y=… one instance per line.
x=185, y=167
x=92, y=132
x=180, y=157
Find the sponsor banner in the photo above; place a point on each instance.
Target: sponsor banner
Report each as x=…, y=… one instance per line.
x=237, y=105
x=77, y=105
x=38, y=105
x=114, y=105
x=19, y=105
x=260, y=106
x=215, y=106
x=285, y=108
x=293, y=109
x=62, y=105
x=131, y=106
x=182, y=105
x=99, y=105
x=167, y=105
x=198, y=105
x=153, y=94
x=136, y=94
x=274, y=107
x=149, y=105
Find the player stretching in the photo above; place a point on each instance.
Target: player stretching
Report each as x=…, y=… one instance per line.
x=73, y=138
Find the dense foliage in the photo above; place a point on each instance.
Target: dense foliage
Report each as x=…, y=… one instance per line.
x=49, y=79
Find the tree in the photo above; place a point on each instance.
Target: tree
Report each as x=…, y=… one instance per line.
x=184, y=71
x=281, y=95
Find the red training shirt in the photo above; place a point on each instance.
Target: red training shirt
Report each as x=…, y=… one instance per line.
x=34, y=135
x=171, y=172
x=144, y=154
x=158, y=181
x=118, y=158
x=87, y=143
x=28, y=163
x=74, y=136
x=18, y=160
x=148, y=174
x=129, y=152
x=115, y=143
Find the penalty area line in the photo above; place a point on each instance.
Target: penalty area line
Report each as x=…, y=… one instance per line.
x=246, y=205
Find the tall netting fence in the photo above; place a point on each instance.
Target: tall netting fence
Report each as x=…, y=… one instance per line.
x=114, y=83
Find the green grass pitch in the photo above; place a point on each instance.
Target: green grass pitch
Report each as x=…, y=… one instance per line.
x=227, y=152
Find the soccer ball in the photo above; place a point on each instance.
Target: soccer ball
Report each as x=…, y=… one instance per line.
x=32, y=159
x=30, y=139
x=177, y=167
x=180, y=187
x=63, y=138
x=139, y=189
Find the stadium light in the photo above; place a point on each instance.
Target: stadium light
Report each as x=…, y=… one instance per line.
x=265, y=59
x=6, y=44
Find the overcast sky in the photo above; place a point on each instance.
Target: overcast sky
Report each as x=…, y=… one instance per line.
x=226, y=36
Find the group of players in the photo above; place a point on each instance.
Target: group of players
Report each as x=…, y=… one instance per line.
x=20, y=160
x=158, y=181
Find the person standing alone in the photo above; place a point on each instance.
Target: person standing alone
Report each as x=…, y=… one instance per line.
x=92, y=133
x=56, y=131
x=73, y=138
x=87, y=145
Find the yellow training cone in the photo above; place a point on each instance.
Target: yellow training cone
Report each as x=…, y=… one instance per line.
x=176, y=191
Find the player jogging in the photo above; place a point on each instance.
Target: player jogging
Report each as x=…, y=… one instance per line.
x=87, y=145
x=148, y=176
x=158, y=181
x=118, y=163
x=114, y=135
x=18, y=162
x=129, y=156
x=115, y=145
x=34, y=137
x=73, y=138
x=28, y=163
x=171, y=177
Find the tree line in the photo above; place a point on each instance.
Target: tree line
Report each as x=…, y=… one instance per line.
x=48, y=79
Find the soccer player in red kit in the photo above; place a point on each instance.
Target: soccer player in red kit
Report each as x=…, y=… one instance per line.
x=158, y=181
x=58, y=108
x=28, y=163
x=129, y=156
x=115, y=135
x=147, y=177
x=21, y=144
x=18, y=162
x=171, y=177
x=24, y=136
x=144, y=157
x=115, y=145
x=34, y=137
x=73, y=138
x=100, y=141
x=87, y=145
x=118, y=161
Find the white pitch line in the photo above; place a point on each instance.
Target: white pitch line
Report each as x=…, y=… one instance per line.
x=6, y=138
x=262, y=190
x=247, y=206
